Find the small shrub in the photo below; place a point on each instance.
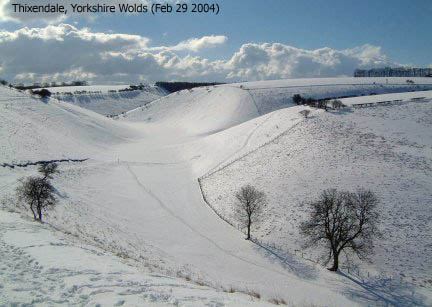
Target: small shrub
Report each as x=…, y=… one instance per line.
x=305, y=113
x=337, y=104
x=278, y=301
x=43, y=93
x=297, y=99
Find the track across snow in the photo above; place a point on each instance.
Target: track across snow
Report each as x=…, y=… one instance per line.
x=138, y=195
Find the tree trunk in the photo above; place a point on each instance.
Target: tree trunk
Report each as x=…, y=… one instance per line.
x=39, y=210
x=248, y=229
x=34, y=213
x=335, y=266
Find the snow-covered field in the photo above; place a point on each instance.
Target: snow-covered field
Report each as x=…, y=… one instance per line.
x=108, y=103
x=138, y=196
x=41, y=267
x=385, y=148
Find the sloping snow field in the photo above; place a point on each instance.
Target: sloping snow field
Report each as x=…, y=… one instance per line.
x=138, y=196
x=105, y=102
x=40, y=267
x=33, y=129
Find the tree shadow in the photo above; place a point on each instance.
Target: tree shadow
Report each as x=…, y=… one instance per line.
x=383, y=291
x=289, y=262
x=343, y=111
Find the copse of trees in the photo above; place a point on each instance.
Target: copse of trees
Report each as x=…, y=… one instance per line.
x=318, y=103
x=337, y=104
x=52, y=84
x=37, y=192
x=343, y=221
x=179, y=86
x=43, y=93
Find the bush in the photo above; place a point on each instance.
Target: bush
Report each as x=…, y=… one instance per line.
x=43, y=93
x=297, y=99
x=305, y=113
x=337, y=104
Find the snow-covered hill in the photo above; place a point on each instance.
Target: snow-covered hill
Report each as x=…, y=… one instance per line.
x=108, y=100
x=36, y=129
x=138, y=196
x=45, y=268
x=387, y=149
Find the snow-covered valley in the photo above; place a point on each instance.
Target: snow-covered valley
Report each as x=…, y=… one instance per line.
x=137, y=199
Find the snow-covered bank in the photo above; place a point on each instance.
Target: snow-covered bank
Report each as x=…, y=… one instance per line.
x=33, y=129
x=108, y=100
x=386, y=148
x=40, y=267
x=138, y=194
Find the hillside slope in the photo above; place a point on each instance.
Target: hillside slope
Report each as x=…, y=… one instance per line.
x=138, y=196
x=387, y=149
x=101, y=101
x=35, y=129
x=37, y=259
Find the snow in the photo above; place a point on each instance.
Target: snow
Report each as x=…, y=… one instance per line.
x=138, y=196
x=33, y=129
x=41, y=267
x=386, y=148
x=105, y=102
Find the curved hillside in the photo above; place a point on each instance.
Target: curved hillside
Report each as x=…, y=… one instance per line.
x=34, y=129
x=141, y=200
x=99, y=99
x=385, y=148
x=207, y=110
x=199, y=111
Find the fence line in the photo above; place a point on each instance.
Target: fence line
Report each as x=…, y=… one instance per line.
x=278, y=250
x=235, y=159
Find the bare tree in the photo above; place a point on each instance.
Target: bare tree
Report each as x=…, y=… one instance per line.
x=48, y=170
x=305, y=113
x=343, y=221
x=38, y=192
x=337, y=104
x=249, y=206
x=323, y=104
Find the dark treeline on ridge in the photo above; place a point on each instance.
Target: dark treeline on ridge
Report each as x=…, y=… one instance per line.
x=178, y=86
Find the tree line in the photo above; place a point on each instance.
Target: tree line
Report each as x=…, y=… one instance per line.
x=179, y=86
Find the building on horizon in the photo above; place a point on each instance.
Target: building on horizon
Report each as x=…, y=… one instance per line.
x=394, y=72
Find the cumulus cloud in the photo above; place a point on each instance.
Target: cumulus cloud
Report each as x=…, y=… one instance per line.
x=64, y=52
x=268, y=61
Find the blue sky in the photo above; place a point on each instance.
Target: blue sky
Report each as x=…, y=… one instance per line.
x=402, y=28
x=387, y=32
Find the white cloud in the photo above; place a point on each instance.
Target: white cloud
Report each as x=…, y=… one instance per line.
x=268, y=61
x=64, y=52
x=196, y=44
